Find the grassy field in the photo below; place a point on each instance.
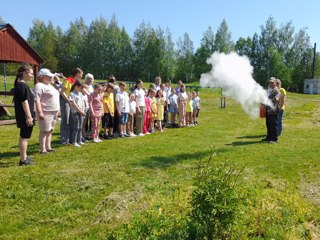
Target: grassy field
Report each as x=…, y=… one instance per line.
x=140, y=188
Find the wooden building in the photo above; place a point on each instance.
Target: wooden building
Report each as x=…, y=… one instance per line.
x=13, y=48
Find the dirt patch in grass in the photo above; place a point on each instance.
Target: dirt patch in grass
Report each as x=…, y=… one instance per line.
x=117, y=207
x=311, y=191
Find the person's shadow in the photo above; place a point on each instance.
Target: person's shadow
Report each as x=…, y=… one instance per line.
x=244, y=143
x=32, y=150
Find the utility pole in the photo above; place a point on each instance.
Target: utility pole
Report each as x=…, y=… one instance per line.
x=314, y=60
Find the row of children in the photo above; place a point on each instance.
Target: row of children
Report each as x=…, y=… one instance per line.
x=121, y=114
x=135, y=114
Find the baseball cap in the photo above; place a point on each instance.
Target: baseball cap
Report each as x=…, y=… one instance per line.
x=45, y=72
x=272, y=80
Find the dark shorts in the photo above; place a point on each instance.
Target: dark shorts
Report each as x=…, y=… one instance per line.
x=25, y=131
x=107, y=121
x=123, y=118
x=198, y=110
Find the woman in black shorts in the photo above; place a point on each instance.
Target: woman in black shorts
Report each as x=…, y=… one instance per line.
x=24, y=109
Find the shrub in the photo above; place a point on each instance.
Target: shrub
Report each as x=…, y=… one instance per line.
x=215, y=200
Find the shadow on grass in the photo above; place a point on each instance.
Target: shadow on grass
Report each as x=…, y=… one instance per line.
x=238, y=143
x=32, y=149
x=8, y=164
x=167, y=161
x=252, y=136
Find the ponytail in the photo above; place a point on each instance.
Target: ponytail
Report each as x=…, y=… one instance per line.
x=24, y=67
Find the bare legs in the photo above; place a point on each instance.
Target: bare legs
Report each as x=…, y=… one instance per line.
x=23, y=145
x=45, y=141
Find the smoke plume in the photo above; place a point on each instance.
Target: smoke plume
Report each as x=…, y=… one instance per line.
x=233, y=73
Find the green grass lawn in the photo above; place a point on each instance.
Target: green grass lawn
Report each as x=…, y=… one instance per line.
x=111, y=189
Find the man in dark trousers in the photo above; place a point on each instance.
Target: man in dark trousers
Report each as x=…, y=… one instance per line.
x=272, y=112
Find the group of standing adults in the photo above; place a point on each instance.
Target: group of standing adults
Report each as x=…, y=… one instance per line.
x=274, y=113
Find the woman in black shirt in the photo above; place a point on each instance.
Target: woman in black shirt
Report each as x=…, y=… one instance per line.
x=24, y=109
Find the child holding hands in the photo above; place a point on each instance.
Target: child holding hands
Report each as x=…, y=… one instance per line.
x=77, y=113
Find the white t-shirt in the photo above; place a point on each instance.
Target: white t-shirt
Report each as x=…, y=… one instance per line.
x=156, y=87
x=140, y=94
x=48, y=96
x=168, y=92
x=77, y=97
x=123, y=101
x=165, y=96
x=86, y=102
x=90, y=88
x=133, y=107
x=183, y=96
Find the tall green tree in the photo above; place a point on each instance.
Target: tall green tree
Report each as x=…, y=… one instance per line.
x=73, y=47
x=125, y=61
x=223, y=40
x=302, y=60
x=148, y=46
x=244, y=46
x=95, y=48
x=206, y=49
x=185, y=56
x=169, y=64
x=43, y=39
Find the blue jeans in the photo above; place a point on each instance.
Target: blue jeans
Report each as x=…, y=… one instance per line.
x=66, y=122
x=280, y=115
x=77, y=127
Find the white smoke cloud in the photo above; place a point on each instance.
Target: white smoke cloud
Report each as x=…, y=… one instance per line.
x=233, y=73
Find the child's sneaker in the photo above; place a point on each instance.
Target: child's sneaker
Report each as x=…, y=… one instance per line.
x=140, y=134
x=132, y=135
x=81, y=143
x=76, y=145
x=96, y=140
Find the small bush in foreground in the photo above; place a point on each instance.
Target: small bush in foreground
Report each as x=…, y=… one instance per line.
x=215, y=201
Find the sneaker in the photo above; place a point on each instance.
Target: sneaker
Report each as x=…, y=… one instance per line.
x=51, y=150
x=147, y=133
x=132, y=135
x=29, y=159
x=127, y=135
x=96, y=140
x=83, y=140
x=272, y=141
x=25, y=162
x=81, y=143
x=44, y=152
x=140, y=134
x=76, y=145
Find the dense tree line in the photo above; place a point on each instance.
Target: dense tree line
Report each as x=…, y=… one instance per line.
x=104, y=48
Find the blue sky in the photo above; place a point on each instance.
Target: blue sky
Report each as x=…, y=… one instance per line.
x=244, y=17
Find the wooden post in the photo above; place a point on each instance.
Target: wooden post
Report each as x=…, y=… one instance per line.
x=5, y=77
x=35, y=73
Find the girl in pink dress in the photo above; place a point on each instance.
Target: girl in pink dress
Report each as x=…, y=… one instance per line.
x=96, y=110
x=147, y=113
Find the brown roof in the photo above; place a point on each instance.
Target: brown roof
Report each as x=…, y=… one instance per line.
x=13, y=48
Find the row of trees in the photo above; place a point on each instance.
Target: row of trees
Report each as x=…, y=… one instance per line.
x=103, y=48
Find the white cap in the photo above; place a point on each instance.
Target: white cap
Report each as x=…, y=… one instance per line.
x=45, y=72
